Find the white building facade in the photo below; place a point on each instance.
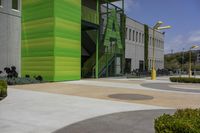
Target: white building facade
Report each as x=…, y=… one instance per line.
x=10, y=34
x=135, y=46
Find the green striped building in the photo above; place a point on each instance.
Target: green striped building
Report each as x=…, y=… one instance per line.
x=72, y=39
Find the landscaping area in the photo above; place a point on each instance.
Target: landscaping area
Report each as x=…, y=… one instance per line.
x=185, y=80
x=182, y=121
x=3, y=89
x=11, y=76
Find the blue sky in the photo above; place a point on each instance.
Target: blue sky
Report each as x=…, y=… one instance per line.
x=182, y=15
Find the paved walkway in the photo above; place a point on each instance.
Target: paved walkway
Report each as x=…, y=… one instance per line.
x=106, y=105
x=27, y=111
x=195, y=88
x=110, y=88
x=124, y=122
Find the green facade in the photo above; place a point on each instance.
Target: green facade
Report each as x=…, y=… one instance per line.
x=51, y=39
x=52, y=43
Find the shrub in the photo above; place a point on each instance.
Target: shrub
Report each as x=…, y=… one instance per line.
x=183, y=121
x=185, y=80
x=3, y=88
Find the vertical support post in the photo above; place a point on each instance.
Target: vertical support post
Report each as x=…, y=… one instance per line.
x=107, y=46
x=153, y=73
x=123, y=25
x=106, y=61
x=97, y=44
x=190, y=66
x=123, y=6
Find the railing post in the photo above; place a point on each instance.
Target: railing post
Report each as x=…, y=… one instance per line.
x=97, y=43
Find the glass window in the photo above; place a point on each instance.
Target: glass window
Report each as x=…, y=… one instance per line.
x=150, y=41
x=142, y=38
x=129, y=34
x=0, y=3
x=126, y=33
x=136, y=36
x=139, y=37
x=15, y=4
x=133, y=35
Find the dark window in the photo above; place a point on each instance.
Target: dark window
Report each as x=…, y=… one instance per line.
x=128, y=66
x=0, y=2
x=139, y=37
x=126, y=33
x=129, y=34
x=142, y=38
x=136, y=36
x=15, y=4
x=133, y=35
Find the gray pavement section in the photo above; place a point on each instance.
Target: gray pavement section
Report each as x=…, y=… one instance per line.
x=124, y=122
x=131, y=97
x=166, y=86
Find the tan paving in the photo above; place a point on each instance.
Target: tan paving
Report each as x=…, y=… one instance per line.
x=161, y=98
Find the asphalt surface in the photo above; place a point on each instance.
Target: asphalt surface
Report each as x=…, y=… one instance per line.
x=124, y=122
x=166, y=86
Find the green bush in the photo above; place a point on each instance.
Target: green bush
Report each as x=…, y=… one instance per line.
x=183, y=121
x=185, y=80
x=3, y=88
x=20, y=81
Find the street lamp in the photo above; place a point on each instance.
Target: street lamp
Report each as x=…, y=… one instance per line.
x=182, y=69
x=190, y=64
x=156, y=27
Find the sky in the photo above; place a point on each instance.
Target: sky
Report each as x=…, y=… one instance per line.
x=182, y=15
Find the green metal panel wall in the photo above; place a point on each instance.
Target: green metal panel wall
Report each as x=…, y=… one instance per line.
x=38, y=38
x=67, y=40
x=51, y=35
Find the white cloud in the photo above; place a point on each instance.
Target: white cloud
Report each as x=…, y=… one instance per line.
x=194, y=37
x=181, y=42
x=130, y=5
x=175, y=44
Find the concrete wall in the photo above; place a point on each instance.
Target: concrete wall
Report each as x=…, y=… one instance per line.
x=10, y=35
x=135, y=45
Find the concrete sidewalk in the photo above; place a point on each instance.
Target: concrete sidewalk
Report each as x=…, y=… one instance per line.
x=106, y=88
x=28, y=111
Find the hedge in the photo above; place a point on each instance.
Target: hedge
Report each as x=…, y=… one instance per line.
x=3, y=88
x=185, y=80
x=183, y=121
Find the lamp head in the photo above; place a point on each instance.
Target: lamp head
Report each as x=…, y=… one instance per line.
x=194, y=47
x=158, y=24
x=164, y=27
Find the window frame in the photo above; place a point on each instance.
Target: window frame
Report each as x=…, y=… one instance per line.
x=12, y=6
x=126, y=33
x=139, y=37
x=130, y=34
x=136, y=36
x=133, y=35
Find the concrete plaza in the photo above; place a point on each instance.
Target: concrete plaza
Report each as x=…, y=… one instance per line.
x=82, y=106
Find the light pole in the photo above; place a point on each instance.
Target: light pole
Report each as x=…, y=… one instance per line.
x=156, y=27
x=190, y=64
x=182, y=61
